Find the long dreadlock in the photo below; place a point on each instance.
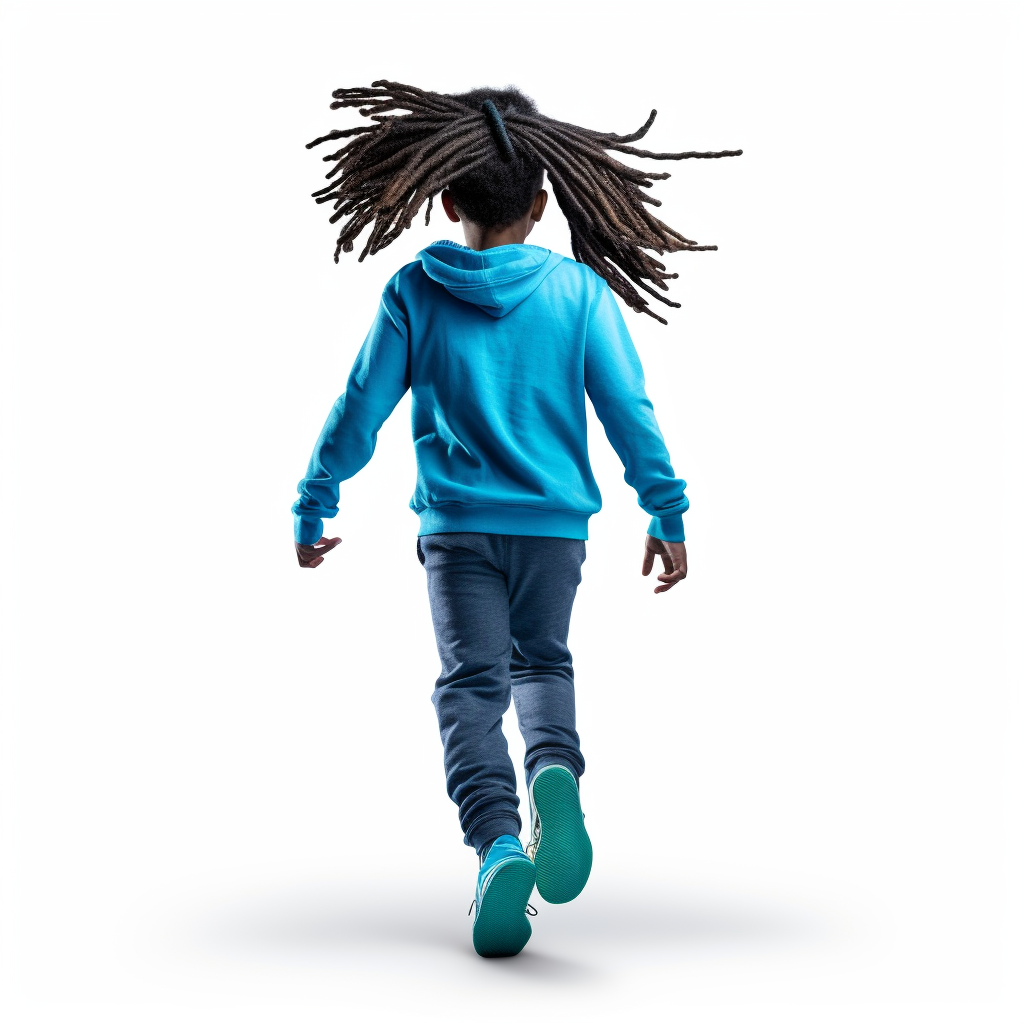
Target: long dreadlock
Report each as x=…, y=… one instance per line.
x=392, y=167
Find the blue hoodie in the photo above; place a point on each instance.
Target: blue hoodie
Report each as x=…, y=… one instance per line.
x=499, y=347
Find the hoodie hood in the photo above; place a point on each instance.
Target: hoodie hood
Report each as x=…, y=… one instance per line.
x=495, y=280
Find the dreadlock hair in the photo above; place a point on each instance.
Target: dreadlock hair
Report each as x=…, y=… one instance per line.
x=490, y=147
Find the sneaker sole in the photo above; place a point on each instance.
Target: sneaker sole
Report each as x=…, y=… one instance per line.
x=564, y=854
x=502, y=927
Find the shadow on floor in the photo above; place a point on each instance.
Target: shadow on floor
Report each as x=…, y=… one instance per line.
x=390, y=917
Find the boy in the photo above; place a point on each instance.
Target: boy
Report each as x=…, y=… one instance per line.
x=500, y=343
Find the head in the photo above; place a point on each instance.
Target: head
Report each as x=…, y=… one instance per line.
x=499, y=200
x=486, y=153
x=487, y=236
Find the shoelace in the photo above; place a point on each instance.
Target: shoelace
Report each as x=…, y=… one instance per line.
x=529, y=907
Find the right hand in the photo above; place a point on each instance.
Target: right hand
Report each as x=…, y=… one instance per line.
x=311, y=555
x=673, y=555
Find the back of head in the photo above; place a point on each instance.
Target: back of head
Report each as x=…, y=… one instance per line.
x=491, y=147
x=499, y=190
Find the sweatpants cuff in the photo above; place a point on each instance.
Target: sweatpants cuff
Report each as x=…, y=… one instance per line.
x=484, y=833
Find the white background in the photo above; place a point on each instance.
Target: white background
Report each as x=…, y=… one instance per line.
x=222, y=789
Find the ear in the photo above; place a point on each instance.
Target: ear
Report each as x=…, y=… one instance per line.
x=540, y=200
x=449, y=206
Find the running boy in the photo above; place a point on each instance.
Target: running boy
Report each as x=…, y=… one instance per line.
x=500, y=343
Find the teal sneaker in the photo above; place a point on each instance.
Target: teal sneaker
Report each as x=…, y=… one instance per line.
x=559, y=845
x=503, y=888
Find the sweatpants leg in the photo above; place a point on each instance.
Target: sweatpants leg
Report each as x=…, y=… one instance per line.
x=543, y=574
x=469, y=605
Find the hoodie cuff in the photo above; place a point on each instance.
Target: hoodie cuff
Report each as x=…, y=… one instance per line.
x=308, y=531
x=669, y=528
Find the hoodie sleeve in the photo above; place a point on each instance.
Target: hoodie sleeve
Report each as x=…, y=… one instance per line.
x=614, y=381
x=379, y=378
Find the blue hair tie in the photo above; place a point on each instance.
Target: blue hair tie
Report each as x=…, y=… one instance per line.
x=497, y=126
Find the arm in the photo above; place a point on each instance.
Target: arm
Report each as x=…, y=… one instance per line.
x=379, y=378
x=614, y=380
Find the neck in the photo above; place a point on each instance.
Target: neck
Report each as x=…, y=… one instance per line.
x=478, y=237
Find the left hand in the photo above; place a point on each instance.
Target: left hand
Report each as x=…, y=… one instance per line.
x=673, y=556
x=311, y=555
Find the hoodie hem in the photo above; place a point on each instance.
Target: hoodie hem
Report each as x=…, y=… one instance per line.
x=516, y=520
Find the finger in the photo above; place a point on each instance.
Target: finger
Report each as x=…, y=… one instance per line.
x=648, y=562
x=323, y=544
x=667, y=560
x=306, y=555
x=307, y=552
x=673, y=577
x=668, y=582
